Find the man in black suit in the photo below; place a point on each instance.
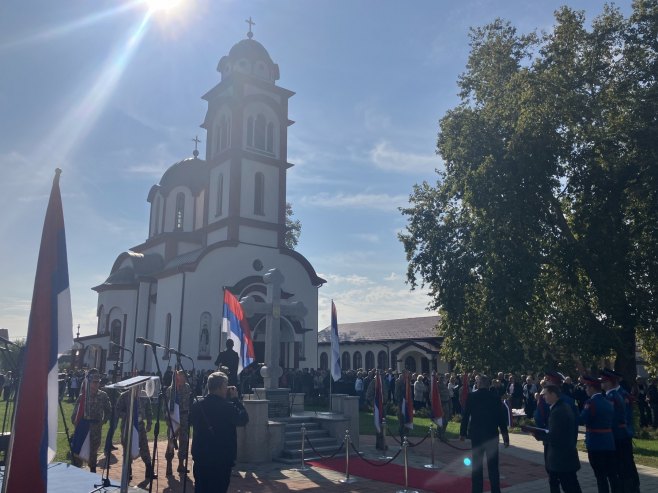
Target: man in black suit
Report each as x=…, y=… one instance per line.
x=561, y=455
x=483, y=416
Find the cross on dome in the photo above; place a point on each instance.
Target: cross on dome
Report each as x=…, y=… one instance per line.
x=251, y=23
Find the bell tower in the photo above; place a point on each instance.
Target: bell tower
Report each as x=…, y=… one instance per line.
x=246, y=148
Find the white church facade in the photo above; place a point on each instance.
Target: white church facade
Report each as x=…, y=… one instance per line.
x=215, y=223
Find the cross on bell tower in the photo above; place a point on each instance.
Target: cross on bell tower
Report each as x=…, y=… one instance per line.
x=251, y=23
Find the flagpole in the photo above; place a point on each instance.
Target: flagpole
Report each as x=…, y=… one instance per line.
x=221, y=322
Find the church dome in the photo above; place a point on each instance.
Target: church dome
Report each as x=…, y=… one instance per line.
x=191, y=173
x=249, y=57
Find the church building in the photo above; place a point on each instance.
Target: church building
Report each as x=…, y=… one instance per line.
x=215, y=223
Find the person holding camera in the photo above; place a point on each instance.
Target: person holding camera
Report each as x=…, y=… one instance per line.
x=214, y=445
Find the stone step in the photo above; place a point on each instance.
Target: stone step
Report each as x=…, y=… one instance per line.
x=297, y=435
x=316, y=442
x=324, y=450
x=309, y=425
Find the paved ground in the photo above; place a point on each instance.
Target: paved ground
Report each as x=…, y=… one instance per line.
x=521, y=467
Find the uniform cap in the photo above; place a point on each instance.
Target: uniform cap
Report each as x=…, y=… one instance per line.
x=553, y=378
x=591, y=381
x=608, y=375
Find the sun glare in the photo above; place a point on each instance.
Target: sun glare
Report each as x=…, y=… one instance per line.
x=163, y=5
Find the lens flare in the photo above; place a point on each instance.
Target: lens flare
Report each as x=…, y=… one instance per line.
x=467, y=461
x=159, y=5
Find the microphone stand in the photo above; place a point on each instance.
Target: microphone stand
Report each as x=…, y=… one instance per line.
x=162, y=397
x=196, y=399
x=105, y=477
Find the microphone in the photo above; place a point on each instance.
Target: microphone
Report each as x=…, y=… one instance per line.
x=141, y=340
x=121, y=347
x=178, y=353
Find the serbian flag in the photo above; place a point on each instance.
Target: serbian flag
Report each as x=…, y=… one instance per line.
x=436, y=410
x=335, y=350
x=50, y=333
x=378, y=411
x=407, y=404
x=236, y=325
x=463, y=392
x=80, y=441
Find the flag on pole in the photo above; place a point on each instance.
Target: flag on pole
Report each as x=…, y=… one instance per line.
x=335, y=350
x=81, y=439
x=174, y=406
x=436, y=409
x=50, y=333
x=134, y=444
x=378, y=412
x=407, y=404
x=235, y=324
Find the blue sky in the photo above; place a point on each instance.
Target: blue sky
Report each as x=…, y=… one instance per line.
x=113, y=97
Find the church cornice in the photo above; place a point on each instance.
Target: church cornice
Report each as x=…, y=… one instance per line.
x=237, y=78
x=238, y=153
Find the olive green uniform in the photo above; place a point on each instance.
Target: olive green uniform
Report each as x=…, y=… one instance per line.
x=182, y=433
x=97, y=411
x=144, y=412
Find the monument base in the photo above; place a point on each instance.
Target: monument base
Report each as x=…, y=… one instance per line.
x=279, y=401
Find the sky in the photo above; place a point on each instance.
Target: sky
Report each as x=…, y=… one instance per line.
x=110, y=92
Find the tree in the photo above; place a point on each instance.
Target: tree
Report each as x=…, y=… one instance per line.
x=293, y=228
x=10, y=356
x=540, y=239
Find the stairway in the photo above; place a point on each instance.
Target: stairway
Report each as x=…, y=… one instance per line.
x=319, y=438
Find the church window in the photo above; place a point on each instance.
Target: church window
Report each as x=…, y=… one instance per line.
x=270, y=137
x=358, y=360
x=115, y=337
x=204, y=335
x=345, y=361
x=370, y=360
x=220, y=194
x=259, y=132
x=382, y=360
x=224, y=133
x=101, y=321
x=156, y=219
x=180, y=211
x=167, y=336
x=324, y=361
x=424, y=365
x=410, y=363
x=259, y=194
x=250, y=131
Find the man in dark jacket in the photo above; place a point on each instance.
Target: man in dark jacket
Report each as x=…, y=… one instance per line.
x=215, y=446
x=483, y=416
x=561, y=455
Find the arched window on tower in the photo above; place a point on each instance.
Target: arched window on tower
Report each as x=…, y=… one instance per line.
x=167, y=335
x=259, y=194
x=259, y=132
x=115, y=337
x=250, y=131
x=324, y=361
x=180, y=212
x=270, y=137
x=156, y=218
x=224, y=132
x=220, y=194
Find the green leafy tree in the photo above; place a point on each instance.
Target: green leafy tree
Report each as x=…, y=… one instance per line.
x=539, y=241
x=10, y=356
x=293, y=228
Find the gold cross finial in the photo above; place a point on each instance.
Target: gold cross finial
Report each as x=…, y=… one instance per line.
x=251, y=23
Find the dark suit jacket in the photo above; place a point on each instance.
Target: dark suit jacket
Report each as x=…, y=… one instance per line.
x=561, y=453
x=487, y=414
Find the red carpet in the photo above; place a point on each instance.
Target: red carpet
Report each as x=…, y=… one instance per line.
x=425, y=479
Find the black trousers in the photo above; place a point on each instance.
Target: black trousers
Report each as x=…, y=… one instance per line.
x=211, y=478
x=604, y=465
x=490, y=449
x=629, y=480
x=567, y=480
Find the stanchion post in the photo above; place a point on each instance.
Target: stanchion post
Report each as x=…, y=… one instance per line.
x=432, y=437
x=405, y=446
x=384, y=455
x=303, y=467
x=347, y=479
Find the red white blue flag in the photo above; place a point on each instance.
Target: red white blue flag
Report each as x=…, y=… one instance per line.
x=49, y=334
x=81, y=439
x=236, y=325
x=436, y=409
x=407, y=404
x=379, y=403
x=335, y=350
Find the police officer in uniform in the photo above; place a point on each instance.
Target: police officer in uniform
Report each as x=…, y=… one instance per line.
x=179, y=393
x=143, y=409
x=622, y=429
x=97, y=411
x=597, y=416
